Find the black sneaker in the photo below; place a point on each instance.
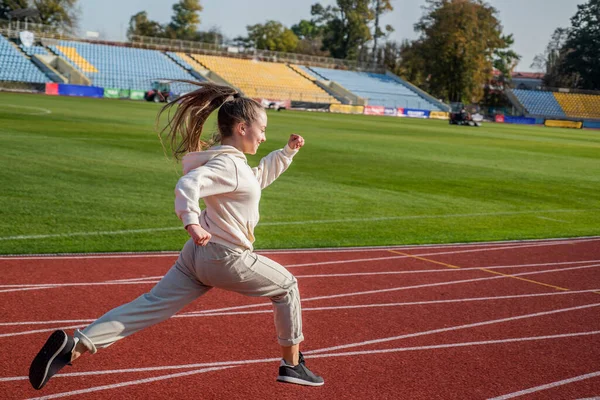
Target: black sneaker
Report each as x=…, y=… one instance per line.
x=298, y=374
x=54, y=355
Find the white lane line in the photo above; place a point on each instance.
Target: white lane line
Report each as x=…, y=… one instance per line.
x=87, y=256
x=484, y=246
x=394, y=289
x=307, y=222
x=128, y=383
x=194, y=314
x=363, y=293
x=324, y=355
x=452, y=328
x=427, y=246
x=95, y=233
x=547, y=386
x=40, y=331
x=16, y=288
x=421, y=255
x=443, y=270
x=377, y=305
x=155, y=279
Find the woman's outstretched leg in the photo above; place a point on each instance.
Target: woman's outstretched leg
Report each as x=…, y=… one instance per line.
x=175, y=290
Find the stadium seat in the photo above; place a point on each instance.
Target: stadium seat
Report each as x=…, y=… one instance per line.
x=122, y=67
x=538, y=103
x=269, y=80
x=579, y=105
x=379, y=89
x=14, y=66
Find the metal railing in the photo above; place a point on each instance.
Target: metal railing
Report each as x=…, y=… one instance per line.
x=186, y=46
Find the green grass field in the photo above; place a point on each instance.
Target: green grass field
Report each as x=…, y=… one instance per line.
x=88, y=175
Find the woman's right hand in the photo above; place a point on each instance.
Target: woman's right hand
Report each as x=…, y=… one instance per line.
x=198, y=234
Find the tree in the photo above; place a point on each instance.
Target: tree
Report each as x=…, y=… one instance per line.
x=271, y=35
x=582, y=46
x=185, y=20
x=460, y=43
x=380, y=7
x=6, y=6
x=310, y=37
x=345, y=26
x=58, y=13
x=552, y=60
x=213, y=35
x=140, y=25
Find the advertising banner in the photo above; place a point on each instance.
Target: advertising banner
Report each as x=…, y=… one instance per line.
x=392, y=112
x=357, y=109
x=52, y=89
x=553, y=123
x=439, y=115
x=500, y=119
x=110, y=93
x=519, y=120
x=414, y=113
x=346, y=109
x=592, y=124
x=374, y=110
x=400, y=112
x=80, y=90
x=136, y=95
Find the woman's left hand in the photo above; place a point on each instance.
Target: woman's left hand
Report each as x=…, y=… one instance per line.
x=295, y=142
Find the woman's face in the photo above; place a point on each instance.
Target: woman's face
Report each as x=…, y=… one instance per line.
x=254, y=134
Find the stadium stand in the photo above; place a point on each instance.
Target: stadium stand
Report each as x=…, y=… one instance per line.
x=269, y=80
x=579, y=105
x=304, y=71
x=186, y=61
x=122, y=67
x=31, y=50
x=539, y=103
x=379, y=89
x=16, y=67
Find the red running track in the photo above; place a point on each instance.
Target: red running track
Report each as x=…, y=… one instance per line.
x=477, y=321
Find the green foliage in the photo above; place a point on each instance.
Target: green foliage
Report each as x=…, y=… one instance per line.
x=271, y=35
x=345, y=26
x=7, y=6
x=140, y=25
x=582, y=46
x=185, y=20
x=92, y=176
x=461, y=42
x=213, y=35
x=380, y=7
x=571, y=57
x=310, y=37
x=61, y=14
x=552, y=61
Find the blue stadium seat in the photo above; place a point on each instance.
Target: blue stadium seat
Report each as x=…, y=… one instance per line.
x=541, y=104
x=379, y=89
x=14, y=66
x=126, y=67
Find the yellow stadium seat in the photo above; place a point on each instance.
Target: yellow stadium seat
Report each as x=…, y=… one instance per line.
x=579, y=105
x=74, y=55
x=269, y=80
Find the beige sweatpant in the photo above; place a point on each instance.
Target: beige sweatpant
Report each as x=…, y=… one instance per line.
x=197, y=270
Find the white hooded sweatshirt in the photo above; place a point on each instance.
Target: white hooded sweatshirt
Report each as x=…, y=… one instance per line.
x=230, y=189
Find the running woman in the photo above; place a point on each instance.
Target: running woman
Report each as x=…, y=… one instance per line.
x=219, y=253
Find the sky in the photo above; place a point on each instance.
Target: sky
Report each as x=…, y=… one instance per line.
x=530, y=21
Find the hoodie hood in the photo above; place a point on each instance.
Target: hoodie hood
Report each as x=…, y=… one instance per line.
x=197, y=159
